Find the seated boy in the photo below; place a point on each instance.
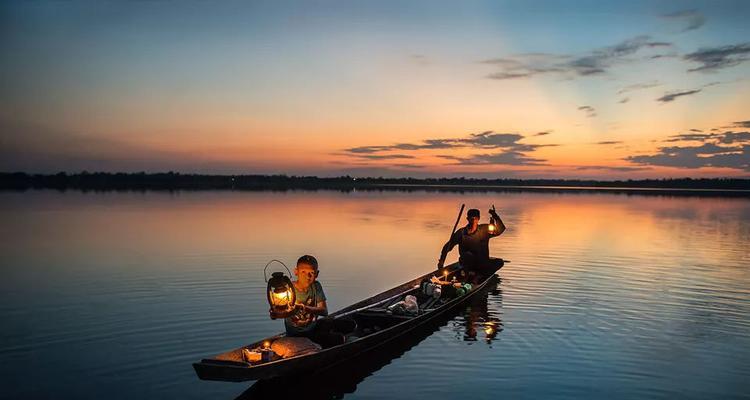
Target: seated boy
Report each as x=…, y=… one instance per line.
x=311, y=300
x=310, y=303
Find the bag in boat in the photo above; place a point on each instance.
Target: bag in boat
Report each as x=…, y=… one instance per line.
x=431, y=289
x=408, y=306
x=287, y=347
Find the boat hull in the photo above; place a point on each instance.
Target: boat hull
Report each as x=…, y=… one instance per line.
x=235, y=371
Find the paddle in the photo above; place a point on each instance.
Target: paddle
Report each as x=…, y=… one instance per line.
x=458, y=218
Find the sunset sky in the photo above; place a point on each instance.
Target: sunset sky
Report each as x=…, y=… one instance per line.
x=558, y=89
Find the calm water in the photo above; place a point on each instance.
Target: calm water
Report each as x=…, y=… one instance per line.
x=114, y=295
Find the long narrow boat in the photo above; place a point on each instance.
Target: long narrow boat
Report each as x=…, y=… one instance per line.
x=375, y=327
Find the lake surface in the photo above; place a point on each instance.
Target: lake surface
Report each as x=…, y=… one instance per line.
x=114, y=295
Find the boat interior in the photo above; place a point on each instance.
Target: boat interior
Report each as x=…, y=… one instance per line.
x=375, y=315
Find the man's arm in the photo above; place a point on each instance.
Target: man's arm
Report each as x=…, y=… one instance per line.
x=495, y=220
x=447, y=247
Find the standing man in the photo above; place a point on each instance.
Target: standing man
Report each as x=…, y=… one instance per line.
x=473, y=241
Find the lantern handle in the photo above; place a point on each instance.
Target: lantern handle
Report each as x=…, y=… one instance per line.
x=269, y=263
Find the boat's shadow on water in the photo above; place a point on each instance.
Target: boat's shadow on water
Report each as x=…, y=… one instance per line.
x=336, y=381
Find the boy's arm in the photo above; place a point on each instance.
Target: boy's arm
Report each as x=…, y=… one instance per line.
x=319, y=309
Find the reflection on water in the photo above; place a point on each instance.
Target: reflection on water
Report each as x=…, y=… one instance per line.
x=479, y=318
x=116, y=294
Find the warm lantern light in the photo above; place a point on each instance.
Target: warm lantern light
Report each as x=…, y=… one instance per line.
x=281, y=296
x=266, y=344
x=491, y=228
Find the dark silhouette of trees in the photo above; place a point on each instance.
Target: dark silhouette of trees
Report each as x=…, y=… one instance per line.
x=176, y=181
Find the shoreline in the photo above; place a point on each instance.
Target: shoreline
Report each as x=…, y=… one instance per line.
x=171, y=181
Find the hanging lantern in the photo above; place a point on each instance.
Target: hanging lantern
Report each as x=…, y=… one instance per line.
x=281, y=295
x=491, y=227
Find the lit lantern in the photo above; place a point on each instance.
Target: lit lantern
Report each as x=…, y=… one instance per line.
x=280, y=291
x=491, y=227
x=281, y=296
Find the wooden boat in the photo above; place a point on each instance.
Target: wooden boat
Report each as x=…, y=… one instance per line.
x=375, y=327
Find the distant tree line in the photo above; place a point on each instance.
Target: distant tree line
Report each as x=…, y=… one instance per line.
x=178, y=181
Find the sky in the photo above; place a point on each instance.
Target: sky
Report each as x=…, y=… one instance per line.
x=495, y=89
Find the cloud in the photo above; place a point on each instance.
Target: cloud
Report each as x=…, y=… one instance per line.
x=624, y=100
x=383, y=156
x=727, y=137
x=673, y=95
x=742, y=124
x=493, y=140
x=410, y=166
x=687, y=137
x=367, y=149
x=715, y=58
x=670, y=96
x=734, y=137
x=505, y=158
x=590, y=111
x=611, y=168
x=484, y=140
x=691, y=18
x=725, y=149
x=513, y=151
x=609, y=142
x=706, y=155
x=595, y=62
x=638, y=86
x=548, y=132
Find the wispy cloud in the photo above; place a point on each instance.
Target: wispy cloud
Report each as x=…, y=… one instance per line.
x=545, y=133
x=726, y=149
x=410, y=166
x=595, y=62
x=383, y=156
x=715, y=58
x=734, y=137
x=742, y=124
x=610, y=168
x=726, y=137
x=484, y=140
x=504, y=158
x=638, y=86
x=689, y=137
x=697, y=157
x=609, y=142
x=673, y=95
x=512, y=150
x=692, y=19
x=590, y=111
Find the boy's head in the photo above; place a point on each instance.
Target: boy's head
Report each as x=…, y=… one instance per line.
x=307, y=269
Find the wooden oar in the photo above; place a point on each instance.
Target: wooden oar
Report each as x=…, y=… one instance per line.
x=457, y=219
